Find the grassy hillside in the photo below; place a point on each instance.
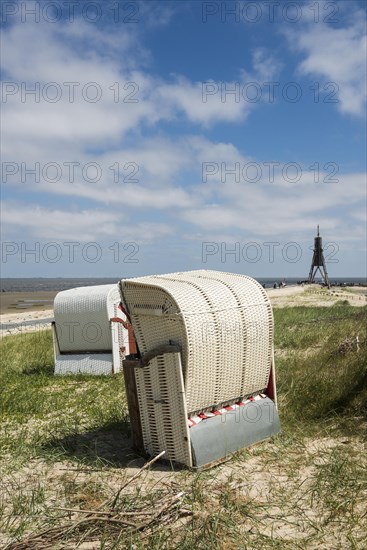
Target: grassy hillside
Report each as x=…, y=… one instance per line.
x=64, y=446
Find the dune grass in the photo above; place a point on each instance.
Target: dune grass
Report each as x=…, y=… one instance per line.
x=321, y=372
x=37, y=408
x=64, y=444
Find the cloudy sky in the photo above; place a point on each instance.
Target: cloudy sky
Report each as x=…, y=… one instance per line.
x=153, y=136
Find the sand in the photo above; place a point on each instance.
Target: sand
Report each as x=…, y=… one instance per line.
x=11, y=302
x=15, y=321
x=317, y=296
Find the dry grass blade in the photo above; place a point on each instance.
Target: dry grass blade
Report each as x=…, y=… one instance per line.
x=80, y=511
x=135, y=476
x=56, y=534
x=97, y=512
x=94, y=518
x=168, y=505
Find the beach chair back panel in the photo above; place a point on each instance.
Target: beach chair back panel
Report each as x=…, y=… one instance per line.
x=163, y=411
x=82, y=317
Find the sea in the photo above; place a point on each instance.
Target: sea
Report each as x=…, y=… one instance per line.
x=57, y=284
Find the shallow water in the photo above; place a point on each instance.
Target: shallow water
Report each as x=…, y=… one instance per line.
x=56, y=284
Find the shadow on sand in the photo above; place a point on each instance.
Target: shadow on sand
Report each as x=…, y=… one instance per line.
x=109, y=445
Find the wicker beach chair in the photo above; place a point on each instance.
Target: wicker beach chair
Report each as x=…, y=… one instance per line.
x=90, y=334
x=205, y=379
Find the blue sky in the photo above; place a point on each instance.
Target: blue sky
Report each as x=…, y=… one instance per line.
x=181, y=135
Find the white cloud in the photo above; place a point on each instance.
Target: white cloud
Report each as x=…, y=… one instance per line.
x=360, y=214
x=147, y=176
x=338, y=55
x=97, y=225
x=92, y=106
x=213, y=101
x=170, y=180
x=280, y=208
x=102, y=88
x=153, y=13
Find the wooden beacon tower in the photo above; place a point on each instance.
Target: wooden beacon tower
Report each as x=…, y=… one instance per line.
x=318, y=262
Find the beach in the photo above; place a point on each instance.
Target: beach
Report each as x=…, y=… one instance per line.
x=25, y=311
x=38, y=311
x=35, y=301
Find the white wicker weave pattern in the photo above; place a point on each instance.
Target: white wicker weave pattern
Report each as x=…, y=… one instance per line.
x=86, y=340
x=94, y=363
x=163, y=408
x=256, y=319
x=223, y=323
x=82, y=317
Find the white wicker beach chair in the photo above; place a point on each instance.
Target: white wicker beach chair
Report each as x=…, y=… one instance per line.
x=205, y=380
x=90, y=333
